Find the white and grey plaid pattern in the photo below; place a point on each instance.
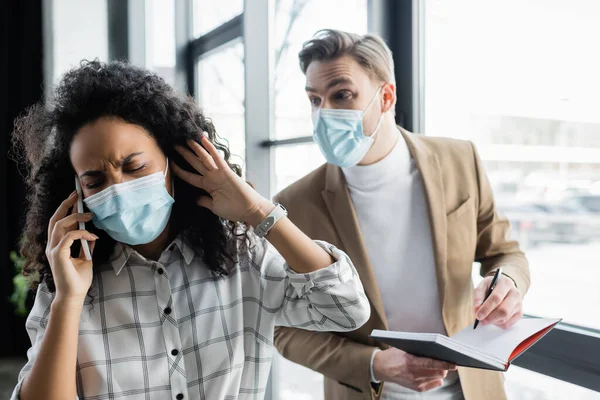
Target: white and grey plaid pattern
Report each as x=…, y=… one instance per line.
x=155, y=330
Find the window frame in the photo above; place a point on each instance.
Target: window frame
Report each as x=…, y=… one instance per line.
x=212, y=40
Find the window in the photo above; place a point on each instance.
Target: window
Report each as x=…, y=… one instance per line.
x=209, y=14
x=160, y=38
x=220, y=94
x=292, y=162
x=520, y=79
x=75, y=38
x=296, y=382
x=295, y=22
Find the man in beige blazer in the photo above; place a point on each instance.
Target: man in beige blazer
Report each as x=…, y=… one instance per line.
x=413, y=213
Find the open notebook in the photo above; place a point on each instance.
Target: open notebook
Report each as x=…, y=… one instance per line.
x=487, y=347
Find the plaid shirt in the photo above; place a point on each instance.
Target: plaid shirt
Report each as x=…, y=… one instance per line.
x=174, y=330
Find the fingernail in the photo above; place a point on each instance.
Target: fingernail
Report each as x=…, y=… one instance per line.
x=73, y=193
x=96, y=236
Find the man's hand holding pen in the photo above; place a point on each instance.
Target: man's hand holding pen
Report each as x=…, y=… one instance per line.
x=502, y=306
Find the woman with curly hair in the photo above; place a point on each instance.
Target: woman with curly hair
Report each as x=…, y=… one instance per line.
x=191, y=268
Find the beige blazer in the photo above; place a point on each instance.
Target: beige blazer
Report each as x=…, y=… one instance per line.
x=465, y=228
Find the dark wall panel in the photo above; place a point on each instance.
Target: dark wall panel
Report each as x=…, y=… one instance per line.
x=22, y=46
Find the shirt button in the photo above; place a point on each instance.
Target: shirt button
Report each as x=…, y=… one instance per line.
x=179, y=396
x=174, y=352
x=168, y=310
x=160, y=271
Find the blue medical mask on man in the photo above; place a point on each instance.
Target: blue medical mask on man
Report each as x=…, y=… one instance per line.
x=133, y=212
x=340, y=135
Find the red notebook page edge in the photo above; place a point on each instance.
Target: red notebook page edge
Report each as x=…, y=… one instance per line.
x=530, y=341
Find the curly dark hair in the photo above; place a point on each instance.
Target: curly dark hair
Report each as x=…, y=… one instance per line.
x=43, y=136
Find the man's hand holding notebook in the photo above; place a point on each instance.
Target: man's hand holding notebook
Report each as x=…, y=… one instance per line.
x=487, y=347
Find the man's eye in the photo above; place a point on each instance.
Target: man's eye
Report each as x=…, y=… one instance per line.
x=315, y=101
x=343, y=95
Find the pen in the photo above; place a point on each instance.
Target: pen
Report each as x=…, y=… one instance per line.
x=489, y=291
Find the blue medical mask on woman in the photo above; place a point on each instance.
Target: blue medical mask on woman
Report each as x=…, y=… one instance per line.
x=134, y=212
x=340, y=136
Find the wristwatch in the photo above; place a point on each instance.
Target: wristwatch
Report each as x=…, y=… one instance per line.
x=265, y=226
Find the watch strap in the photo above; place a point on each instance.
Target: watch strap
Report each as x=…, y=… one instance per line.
x=267, y=224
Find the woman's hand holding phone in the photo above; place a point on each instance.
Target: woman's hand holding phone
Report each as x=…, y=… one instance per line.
x=72, y=276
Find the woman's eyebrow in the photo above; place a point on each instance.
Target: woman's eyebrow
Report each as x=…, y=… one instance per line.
x=91, y=173
x=129, y=157
x=120, y=163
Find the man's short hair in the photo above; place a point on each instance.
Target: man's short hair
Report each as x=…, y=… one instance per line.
x=369, y=50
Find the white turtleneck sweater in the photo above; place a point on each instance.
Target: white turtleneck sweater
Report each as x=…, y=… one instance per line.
x=392, y=212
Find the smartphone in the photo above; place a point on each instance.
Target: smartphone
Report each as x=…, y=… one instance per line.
x=84, y=243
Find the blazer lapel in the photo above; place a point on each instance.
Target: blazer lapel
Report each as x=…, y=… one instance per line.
x=429, y=166
x=339, y=205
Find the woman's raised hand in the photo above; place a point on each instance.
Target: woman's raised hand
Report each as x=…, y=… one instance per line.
x=231, y=197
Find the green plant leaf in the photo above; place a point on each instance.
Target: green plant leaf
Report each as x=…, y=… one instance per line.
x=21, y=285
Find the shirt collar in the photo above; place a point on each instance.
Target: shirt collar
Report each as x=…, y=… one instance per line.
x=185, y=249
x=123, y=252
x=120, y=255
